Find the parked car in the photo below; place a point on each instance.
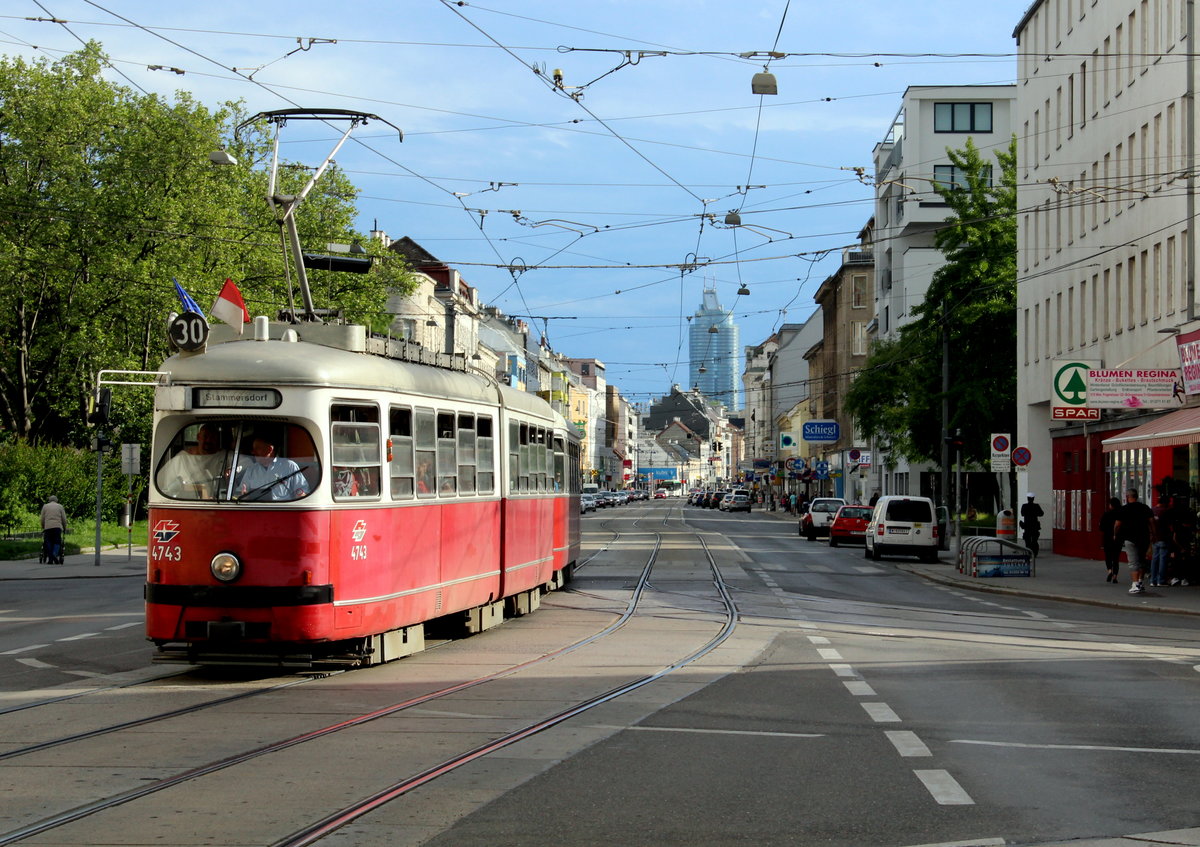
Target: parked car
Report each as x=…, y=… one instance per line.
x=715, y=501
x=849, y=525
x=736, y=501
x=587, y=503
x=819, y=516
x=660, y=494
x=904, y=526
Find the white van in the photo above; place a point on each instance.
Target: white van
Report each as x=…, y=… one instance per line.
x=904, y=526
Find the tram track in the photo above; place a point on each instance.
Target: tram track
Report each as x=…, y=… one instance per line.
x=85, y=810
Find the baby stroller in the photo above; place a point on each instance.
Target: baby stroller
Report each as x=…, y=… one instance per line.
x=52, y=550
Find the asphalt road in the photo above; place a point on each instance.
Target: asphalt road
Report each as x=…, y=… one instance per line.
x=855, y=704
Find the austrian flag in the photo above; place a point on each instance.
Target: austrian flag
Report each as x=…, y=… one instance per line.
x=229, y=306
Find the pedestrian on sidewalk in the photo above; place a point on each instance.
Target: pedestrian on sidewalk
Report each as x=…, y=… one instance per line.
x=1135, y=529
x=1108, y=539
x=1163, y=547
x=1031, y=523
x=54, y=524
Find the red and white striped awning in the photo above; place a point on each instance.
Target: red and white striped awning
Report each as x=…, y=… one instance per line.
x=1171, y=430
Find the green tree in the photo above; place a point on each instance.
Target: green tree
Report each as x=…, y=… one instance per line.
x=971, y=307
x=106, y=194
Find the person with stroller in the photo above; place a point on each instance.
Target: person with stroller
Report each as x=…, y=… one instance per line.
x=54, y=524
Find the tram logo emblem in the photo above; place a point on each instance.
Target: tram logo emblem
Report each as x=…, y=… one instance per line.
x=165, y=530
x=360, y=531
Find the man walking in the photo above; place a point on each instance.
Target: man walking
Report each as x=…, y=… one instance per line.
x=1135, y=530
x=54, y=524
x=1031, y=524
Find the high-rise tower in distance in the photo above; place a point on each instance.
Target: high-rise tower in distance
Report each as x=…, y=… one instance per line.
x=714, y=353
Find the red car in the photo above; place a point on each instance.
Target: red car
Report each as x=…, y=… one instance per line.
x=849, y=525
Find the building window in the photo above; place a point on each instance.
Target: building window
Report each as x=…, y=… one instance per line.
x=951, y=176
x=962, y=117
x=858, y=291
x=858, y=338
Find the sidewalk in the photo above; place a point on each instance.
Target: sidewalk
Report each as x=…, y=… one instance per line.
x=113, y=562
x=1057, y=578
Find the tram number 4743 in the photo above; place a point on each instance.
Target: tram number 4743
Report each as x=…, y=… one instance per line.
x=163, y=553
x=358, y=552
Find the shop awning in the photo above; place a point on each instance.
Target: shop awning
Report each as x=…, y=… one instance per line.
x=1171, y=430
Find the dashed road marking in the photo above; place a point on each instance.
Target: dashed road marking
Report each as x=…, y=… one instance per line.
x=944, y=788
x=829, y=654
x=881, y=712
x=1089, y=747
x=859, y=688
x=23, y=649
x=721, y=731
x=34, y=663
x=79, y=637
x=818, y=639
x=849, y=671
x=122, y=626
x=907, y=743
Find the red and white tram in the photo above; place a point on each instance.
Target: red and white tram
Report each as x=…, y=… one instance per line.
x=315, y=503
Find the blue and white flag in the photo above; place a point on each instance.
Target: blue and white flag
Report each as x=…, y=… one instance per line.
x=189, y=305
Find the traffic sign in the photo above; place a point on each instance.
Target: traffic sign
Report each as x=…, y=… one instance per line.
x=1021, y=456
x=1001, y=444
x=188, y=331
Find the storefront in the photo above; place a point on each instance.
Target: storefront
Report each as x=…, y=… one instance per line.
x=1159, y=458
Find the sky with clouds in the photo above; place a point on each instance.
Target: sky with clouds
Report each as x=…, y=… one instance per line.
x=595, y=209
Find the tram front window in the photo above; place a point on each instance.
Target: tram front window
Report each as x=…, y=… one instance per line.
x=224, y=460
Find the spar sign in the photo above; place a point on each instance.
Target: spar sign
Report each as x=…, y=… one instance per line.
x=1069, y=397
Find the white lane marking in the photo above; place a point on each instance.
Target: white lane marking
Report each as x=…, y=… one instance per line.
x=85, y=674
x=79, y=637
x=818, y=639
x=849, y=671
x=1036, y=615
x=907, y=743
x=881, y=712
x=867, y=569
x=34, y=663
x=714, y=731
x=829, y=654
x=859, y=688
x=1100, y=747
x=40, y=646
x=944, y=788
x=974, y=842
x=122, y=626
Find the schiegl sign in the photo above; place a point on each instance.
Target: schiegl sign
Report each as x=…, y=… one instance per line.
x=821, y=431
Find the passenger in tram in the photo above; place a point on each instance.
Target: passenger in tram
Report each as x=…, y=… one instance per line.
x=195, y=472
x=424, y=477
x=271, y=477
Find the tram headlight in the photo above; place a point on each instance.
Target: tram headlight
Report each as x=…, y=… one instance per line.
x=226, y=567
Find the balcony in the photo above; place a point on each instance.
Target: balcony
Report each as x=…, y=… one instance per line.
x=861, y=255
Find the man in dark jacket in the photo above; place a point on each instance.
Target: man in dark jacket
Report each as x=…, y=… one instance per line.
x=1135, y=530
x=1031, y=523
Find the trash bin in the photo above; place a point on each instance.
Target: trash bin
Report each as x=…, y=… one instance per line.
x=1006, y=525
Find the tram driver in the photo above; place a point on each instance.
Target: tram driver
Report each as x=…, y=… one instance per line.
x=271, y=477
x=195, y=472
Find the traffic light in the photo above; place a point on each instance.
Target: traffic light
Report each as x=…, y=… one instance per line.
x=100, y=414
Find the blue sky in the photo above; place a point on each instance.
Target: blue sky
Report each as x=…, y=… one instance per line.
x=599, y=191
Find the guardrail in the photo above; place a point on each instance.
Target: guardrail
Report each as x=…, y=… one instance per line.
x=983, y=556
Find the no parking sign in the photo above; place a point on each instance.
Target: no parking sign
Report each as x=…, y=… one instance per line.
x=1021, y=456
x=1001, y=444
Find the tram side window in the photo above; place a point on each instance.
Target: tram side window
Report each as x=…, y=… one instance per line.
x=400, y=468
x=514, y=457
x=560, y=464
x=354, y=446
x=426, y=453
x=466, y=454
x=545, y=460
x=447, y=454
x=523, y=476
x=486, y=455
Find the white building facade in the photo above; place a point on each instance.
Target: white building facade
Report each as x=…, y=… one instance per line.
x=908, y=162
x=1104, y=276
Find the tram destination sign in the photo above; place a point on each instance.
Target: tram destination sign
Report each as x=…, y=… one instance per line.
x=235, y=398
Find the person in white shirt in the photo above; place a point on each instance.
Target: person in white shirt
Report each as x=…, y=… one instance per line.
x=196, y=473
